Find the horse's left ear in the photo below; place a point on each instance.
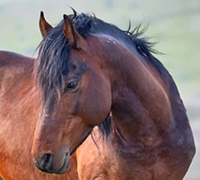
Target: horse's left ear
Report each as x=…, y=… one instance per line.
x=44, y=25
x=72, y=35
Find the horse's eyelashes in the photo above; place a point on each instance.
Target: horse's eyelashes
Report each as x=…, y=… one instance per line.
x=71, y=86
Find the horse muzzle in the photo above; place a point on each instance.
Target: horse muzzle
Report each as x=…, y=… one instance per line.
x=47, y=163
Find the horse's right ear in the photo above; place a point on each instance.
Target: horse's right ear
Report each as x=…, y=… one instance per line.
x=72, y=35
x=44, y=25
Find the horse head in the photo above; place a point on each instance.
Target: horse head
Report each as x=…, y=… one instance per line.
x=76, y=95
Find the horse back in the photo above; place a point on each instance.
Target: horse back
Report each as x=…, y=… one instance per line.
x=14, y=60
x=15, y=70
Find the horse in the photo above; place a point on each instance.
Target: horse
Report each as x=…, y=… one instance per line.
x=107, y=109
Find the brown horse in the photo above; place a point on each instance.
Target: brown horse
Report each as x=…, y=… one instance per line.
x=103, y=92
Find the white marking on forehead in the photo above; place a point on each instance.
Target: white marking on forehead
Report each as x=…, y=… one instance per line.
x=47, y=115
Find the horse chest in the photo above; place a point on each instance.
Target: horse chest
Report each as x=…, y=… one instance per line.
x=100, y=166
x=99, y=162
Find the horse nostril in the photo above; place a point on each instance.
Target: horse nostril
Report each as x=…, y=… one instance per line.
x=47, y=162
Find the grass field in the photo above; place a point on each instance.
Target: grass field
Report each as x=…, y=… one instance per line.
x=174, y=24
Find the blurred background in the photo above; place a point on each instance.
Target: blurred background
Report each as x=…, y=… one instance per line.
x=174, y=24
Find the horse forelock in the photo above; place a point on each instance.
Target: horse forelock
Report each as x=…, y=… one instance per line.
x=52, y=63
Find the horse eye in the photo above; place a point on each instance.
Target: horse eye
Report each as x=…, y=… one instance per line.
x=71, y=85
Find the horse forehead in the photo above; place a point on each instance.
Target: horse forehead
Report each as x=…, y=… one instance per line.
x=78, y=56
x=77, y=65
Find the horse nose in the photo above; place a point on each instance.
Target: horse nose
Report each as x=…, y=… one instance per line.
x=49, y=163
x=46, y=162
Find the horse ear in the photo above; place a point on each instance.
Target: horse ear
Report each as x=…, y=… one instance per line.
x=72, y=35
x=44, y=25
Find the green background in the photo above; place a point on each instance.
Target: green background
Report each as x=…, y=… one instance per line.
x=174, y=24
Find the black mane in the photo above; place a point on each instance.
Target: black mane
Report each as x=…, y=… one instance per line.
x=51, y=67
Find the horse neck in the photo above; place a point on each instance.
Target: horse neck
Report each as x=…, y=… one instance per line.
x=140, y=105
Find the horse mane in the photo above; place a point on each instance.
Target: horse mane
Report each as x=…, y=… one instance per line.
x=52, y=64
